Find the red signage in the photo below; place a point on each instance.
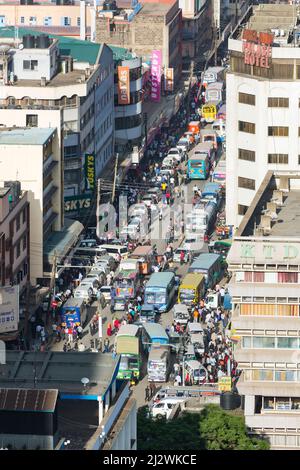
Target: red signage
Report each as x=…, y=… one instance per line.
x=257, y=54
x=123, y=85
x=261, y=38
x=257, y=48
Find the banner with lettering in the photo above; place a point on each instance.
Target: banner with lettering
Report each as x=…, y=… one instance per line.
x=90, y=172
x=156, y=75
x=123, y=85
x=169, y=79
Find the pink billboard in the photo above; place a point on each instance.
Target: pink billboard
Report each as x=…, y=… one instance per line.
x=155, y=75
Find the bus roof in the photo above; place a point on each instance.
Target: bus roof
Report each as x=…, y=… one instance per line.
x=155, y=330
x=215, y=86
x=128, y=330
x=191, y=279
x=160, y=279
x=72, y=303
x=142, y=251
x=205, y=261
x=211, y=188
x=158, y=353
x=198, y=156
x=207, y=132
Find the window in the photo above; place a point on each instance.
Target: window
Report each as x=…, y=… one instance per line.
x=285, y=375
x=48, y=21
x=31, y=120
x=282, y=158
x=32, y=20
x=24, y=216
x=278, y=102
x=288, y=277
x=246, y=342
x=269, y=403
x=246, y=98
x=247, y=155
x=242, y=209
x=248, y=127
x=66, y=21
x=22, y=20
x=278, y=131
x=287, y=343
x=18, y=222
x=24, y=242
x=263, y=342
x=78, y=21
x=18, y=250
x=246, y=183
x=30, y=65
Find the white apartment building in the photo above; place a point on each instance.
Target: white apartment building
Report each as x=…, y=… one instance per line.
x=63, y=83
x=265, y=264
x=262, y=100
x=32, y=156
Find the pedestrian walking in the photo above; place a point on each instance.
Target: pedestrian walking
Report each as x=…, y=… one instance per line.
x=152, y=389
x=147, y=393
x=106, y=345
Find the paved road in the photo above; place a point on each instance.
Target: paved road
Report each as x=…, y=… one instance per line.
x=165, y=318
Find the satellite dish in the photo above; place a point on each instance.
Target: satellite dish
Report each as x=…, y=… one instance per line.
x=85, y=381
x=21, y=46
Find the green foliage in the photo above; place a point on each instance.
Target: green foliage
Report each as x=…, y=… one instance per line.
x=223, y=431
x=211, y=429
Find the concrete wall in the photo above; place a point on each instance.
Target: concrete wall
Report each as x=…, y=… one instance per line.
x=259, y=142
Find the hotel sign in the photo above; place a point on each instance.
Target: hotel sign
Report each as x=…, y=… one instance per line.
x=259, y=252
x=257, y=48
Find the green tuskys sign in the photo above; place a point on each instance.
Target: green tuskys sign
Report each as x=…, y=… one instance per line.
x=80, y=204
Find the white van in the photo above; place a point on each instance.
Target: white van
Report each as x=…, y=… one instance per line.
x=165, y=407
x=116, y=250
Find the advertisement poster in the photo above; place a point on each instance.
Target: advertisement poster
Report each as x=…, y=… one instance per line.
x=123, y=85
x=90, y=174
x=81, y=204
x=9, y=309
x=155, y=75
x=169, y=79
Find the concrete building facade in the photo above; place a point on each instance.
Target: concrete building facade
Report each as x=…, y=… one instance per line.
x=148, y=27
x=14, y=235
x=265, y=264
x=75, y=95
x=262, y=104
x=33, y=156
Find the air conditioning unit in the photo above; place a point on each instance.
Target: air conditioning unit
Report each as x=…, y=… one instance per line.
x=43, y=81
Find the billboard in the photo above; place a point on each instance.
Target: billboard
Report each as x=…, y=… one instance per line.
x=81, y=203
x=123, y=85
x=155, y=75
x=90, y=172
x=9, y=309
x=224, y=384
x=257, y=48
x=169, y=79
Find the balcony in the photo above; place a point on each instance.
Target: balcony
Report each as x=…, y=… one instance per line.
x=48, y=219
x=49, y=194
x=49, y=165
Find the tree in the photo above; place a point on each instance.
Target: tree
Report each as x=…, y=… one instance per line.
x=223, y=431
x=211, y=429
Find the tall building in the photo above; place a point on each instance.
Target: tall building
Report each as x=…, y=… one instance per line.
x=32, y=155
x=72, y=18
x=144, y=28
x=262, y=88
x=14, y=235
x=196, y=30
x=63, y=83
x=128, y=117
x=265, y=264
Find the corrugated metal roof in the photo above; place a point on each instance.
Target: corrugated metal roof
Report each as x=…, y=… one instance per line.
x=18, y=399
x=26, y=136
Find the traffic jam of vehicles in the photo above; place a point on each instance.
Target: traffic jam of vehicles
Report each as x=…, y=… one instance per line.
x=168, y=300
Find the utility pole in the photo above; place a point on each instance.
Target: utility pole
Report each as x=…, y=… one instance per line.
x=115, y=178
x=52, y=283
x=98, y=205
x=27, y=311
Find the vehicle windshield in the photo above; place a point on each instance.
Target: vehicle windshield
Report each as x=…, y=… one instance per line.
x=159, y=366
x=158, y=297
x=129, y=363
x=187, y=294
x=197, y=164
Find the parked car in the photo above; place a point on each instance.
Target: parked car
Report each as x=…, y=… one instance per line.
x=87, y=289
x=177, y=252
x=165, y=407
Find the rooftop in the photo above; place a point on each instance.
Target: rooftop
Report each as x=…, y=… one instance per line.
x=59, y=370
x=81, y=51
x=25, y=135
x=156, y=9
x=279, y=19
x=120, y=53
x=18, y=399
x=275, y=209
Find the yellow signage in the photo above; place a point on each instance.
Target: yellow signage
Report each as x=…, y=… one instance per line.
x=224, y=384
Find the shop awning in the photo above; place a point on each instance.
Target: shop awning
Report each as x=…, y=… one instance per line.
x=61, y=242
